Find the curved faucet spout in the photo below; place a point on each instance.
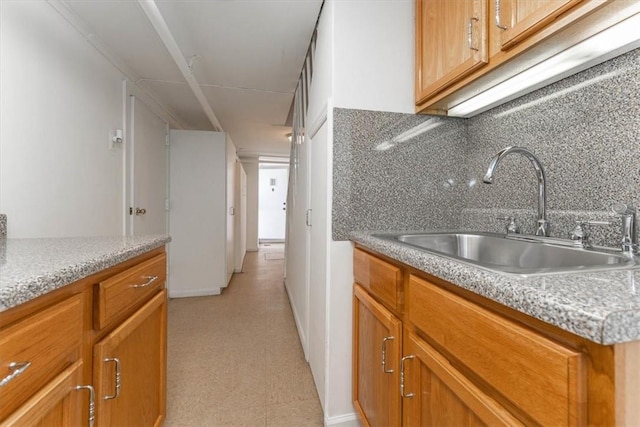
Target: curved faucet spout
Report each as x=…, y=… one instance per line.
x=542, y=229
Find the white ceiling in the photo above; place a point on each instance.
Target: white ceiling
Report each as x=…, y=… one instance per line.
x=246, y=56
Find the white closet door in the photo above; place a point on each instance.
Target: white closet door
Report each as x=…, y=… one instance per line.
x=318, y=255
x=231, y=206
x=240, y=217
x=148, y=151
x=198, y=214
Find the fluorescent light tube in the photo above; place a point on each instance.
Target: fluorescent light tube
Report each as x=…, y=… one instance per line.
x=598, y=48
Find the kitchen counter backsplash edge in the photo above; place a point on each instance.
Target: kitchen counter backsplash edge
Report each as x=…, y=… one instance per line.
x=3, y=225
x=600, y=306
x=34, y=267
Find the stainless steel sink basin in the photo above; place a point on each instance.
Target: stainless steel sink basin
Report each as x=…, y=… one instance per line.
x=497, y=252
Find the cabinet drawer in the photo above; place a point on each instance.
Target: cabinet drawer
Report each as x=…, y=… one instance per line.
x=49, y=340
x=542, y=378
x=118, y=295
x=379, y=277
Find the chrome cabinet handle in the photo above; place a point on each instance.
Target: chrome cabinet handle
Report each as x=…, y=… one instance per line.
x=117, y=362
x=409, y=395
x=17, y=369
x=150, y=280
x=92, y=402
x=384, y=355
x=470, y=32
x=141, y=211
x=498, y=23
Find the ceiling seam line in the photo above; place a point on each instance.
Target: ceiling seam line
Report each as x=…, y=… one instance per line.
x=158, y=23
x=278, y=92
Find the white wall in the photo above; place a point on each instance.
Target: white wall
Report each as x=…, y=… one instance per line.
x=251, y=168
x=374, y=55
x=363, y=60
x=321, y=86
x=60, y=99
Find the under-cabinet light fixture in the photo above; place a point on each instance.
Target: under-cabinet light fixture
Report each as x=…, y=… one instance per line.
x=598, y=48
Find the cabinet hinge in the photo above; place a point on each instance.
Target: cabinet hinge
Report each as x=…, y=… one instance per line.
x=130, y=211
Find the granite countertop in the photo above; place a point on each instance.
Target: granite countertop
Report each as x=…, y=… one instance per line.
x=33, y=267
x=603, y=307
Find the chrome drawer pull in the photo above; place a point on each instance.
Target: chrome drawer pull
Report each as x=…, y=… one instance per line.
x=150, y=280
x=117, y=393
x=384, y=355
x=409, y=395
x=92, y=402
x=17, y=368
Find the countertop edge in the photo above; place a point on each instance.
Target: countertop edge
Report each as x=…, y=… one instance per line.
x=614, y=327
x=31, y=287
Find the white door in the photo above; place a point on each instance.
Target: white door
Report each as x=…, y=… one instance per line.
x=318, y=250
x=272, y=204
x=297, y=240
x=148, y=161
x=240, y=217
x=198, y=213
x=231, y=159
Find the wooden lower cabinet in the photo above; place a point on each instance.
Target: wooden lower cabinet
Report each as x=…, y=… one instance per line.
x=59, y=403
x=376, y=348
x=129, y=369
x=75, y=345
x=436, y=394
x=458, y=360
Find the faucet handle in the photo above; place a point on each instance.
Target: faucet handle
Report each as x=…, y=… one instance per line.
x=623, y=209
x=627, y=213
x=581, y=231
x=511, y=226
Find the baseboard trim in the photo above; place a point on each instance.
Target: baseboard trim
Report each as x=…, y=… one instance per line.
x=301, y=336
x=346, y=420
x=194, y=293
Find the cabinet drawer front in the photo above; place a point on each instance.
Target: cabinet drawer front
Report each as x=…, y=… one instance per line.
x=50, y=340
x=118, y=295
x=544, y=379
x=379, y=277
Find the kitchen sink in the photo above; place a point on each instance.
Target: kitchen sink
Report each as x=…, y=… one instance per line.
x=522, y=255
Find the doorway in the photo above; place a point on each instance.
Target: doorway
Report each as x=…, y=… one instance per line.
x=272, y=201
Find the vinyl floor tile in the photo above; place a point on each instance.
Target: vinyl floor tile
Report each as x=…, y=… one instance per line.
x=235, y=359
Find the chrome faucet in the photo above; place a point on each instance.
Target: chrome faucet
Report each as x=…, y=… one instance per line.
x=542, y=228
x=628, y=214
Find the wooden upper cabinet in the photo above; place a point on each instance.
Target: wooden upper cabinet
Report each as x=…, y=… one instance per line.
x=518, y=19
x=451, y=42
x=466, y=47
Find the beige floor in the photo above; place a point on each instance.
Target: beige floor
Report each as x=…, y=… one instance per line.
x=235, y=359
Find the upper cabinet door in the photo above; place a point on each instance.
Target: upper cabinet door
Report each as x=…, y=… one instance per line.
x=518, y=19
x=451, y=42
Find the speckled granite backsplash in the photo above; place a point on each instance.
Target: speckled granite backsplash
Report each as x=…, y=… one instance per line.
x=401, y=171
x=3, y=225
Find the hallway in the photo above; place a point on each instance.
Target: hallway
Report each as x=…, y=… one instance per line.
x=235, y=359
